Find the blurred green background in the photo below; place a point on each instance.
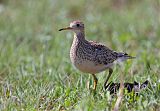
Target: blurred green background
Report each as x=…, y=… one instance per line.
x=35, y=69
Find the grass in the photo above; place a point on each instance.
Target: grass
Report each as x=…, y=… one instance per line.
x=35, y=69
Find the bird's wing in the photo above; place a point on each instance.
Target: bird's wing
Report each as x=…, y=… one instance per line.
x=102, y=54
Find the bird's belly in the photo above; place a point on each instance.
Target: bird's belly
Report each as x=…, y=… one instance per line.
x=89, y=67
x=84, y=64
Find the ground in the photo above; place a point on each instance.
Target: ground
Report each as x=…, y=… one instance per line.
x=35, y=69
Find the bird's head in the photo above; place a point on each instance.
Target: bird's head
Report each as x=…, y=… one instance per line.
x=76, y=26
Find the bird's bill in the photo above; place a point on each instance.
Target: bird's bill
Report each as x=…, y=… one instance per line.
x=67, y=28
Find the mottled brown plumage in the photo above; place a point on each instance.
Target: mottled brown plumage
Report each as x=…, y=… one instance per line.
x=91, y=57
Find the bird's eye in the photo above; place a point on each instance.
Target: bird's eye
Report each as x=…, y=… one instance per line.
x=78, y=25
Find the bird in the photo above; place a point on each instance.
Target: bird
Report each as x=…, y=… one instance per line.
x=92, y=57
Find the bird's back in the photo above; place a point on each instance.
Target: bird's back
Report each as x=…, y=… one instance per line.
x=91, y=57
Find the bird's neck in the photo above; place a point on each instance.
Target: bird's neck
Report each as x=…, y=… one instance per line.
x=80, y=36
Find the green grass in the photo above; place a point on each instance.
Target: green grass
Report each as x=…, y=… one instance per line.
x=35, y=69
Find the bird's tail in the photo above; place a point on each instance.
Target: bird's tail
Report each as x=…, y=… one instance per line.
x=124, y=56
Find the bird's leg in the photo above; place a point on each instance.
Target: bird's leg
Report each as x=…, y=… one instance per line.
x=110, y=72
x=95, y=82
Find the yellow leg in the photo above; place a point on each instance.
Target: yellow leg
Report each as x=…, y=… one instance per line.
x=95, y=82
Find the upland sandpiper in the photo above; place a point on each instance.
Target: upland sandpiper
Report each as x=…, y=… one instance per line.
x=91, y=57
